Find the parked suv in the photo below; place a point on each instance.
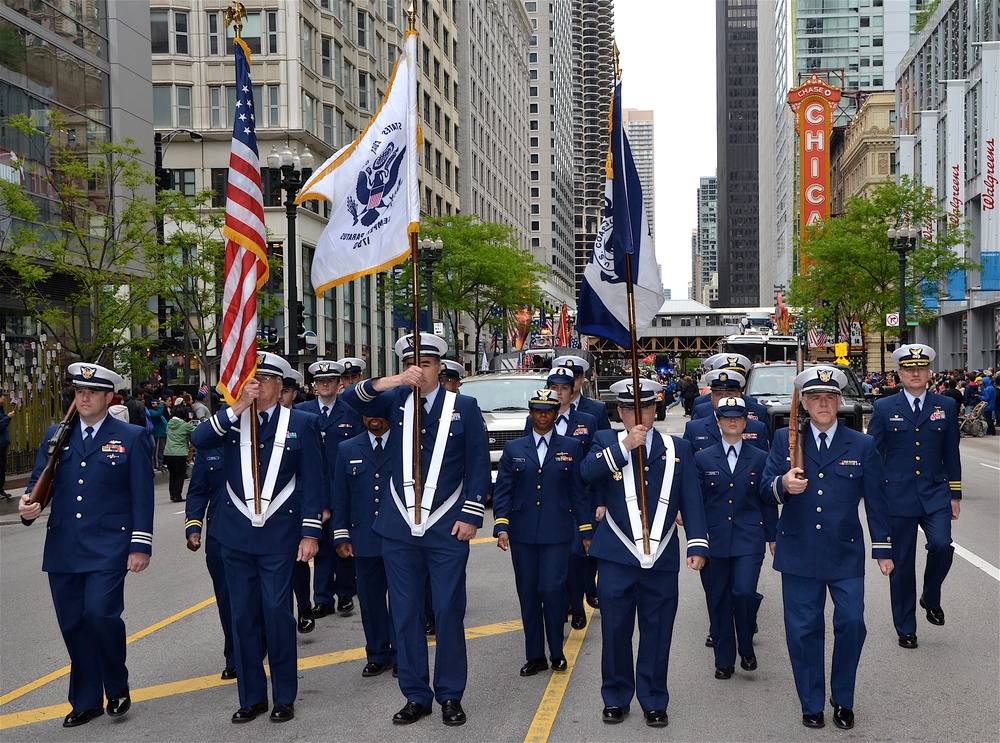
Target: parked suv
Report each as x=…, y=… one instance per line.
x=503, y=399
x=772, y=384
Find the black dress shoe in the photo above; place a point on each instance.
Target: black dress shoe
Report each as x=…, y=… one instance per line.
x=843, y=718
x=374, y=669
x=813, y=721
x=345, y=604
x=724, y=673
x=591, y=599
x=119, y=705
x=709, y=643
x=559, y=664
x=429, y=628
x=246, y=714
x=306, y=623
x=613, y=715
x=908, y=641
x=534, y=666
x=452, y=712
x=656, y=718
x=228, y=673
x=410, y=713
x=579, y=621
x=934, y=616
x=283, y=713
x=82, y=718
x=748, y=662
x=322, y=610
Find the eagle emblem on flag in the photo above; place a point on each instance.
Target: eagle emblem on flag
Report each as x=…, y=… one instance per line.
x=376, y=186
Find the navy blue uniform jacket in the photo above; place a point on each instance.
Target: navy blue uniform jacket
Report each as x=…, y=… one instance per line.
x=923, y=469
x=606, y=458
x=207, y=491
x=541, y=503
x=741, y=518
x=341, y=424
x=466, y=463
x=819, y=531
x=704, y=432
x=300, y=516
x=360, y=491
x=102, y=499
x=595, y=408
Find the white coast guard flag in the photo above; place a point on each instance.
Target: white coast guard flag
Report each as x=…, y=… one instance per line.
x=372, y=185
x=603, y=304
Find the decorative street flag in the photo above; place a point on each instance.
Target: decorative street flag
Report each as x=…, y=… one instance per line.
x=603, y=303
x=372, y=186
x=246, y=268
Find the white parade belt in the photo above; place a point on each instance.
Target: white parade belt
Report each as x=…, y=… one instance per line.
x=408, y=509
x=269, y=503
x=658, y=540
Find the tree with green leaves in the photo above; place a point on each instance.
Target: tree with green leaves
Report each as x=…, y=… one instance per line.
x=852, y=272
x=190, y=266
x=77, y=246
x=482, y=272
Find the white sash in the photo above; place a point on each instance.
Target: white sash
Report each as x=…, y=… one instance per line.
x=658, y=540
x=433, y=472
x=269, y=502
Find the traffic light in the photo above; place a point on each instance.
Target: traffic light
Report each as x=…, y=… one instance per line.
x=300, y=319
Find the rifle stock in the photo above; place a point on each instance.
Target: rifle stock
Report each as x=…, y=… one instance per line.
x=41, y=492
x=795, y=455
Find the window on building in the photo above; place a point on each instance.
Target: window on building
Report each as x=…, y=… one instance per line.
x=363, y=29
x=184, y=105
x=163, y=106
x=306, y=46
x=326, y=57
x=220, y=178
x=184, y=181
x=168, y=31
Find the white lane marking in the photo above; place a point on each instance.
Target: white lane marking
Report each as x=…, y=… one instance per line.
x=991, y=570
x=989, y=465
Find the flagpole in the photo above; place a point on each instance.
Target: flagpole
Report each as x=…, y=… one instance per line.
x=636, y=389
x=418, y=476
x=234, y=15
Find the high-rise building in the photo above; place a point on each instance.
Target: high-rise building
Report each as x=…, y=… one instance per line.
x=705, y=280
x=550, y=146
x=320, y=71
x=492, y=66
x=639, y=128
x=738, y=177
x=593, y=84
x=776, y=140
x=86, y=61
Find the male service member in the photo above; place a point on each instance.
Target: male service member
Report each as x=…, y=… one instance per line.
x=917, y=434
x=260, y=549
x=100, y=528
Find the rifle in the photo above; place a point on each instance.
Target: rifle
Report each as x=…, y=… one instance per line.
x=795, y=455
x=41, y=493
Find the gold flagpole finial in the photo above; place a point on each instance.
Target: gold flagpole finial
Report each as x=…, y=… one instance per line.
x=235, y=15
x=618, y=69
x=411, y=12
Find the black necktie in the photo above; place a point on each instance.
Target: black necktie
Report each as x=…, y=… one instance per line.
x=325, y=411
x=916, y=406
x=823, y=448
x=542, y=445
x=423, y=401
x=731, y=456
x=562, y=419
x=88, y=435
x=263, y=419
x=378, y=446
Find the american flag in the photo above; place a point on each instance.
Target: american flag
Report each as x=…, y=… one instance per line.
x=203, y=390
x=246, y=249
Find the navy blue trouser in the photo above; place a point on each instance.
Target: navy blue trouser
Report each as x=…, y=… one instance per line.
x=903, y=579
x=217, y=570
x=540, y=577
x=733, y=603
x=373, y=598
x=89, y=610
x=260, y=589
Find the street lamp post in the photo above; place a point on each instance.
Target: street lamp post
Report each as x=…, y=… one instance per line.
x=163, y=180
x=295, y=170
x=901, y=242
x=430, y=254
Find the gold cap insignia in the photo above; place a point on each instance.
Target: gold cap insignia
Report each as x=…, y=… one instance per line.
x=733, y=360
x=916, y=351
x=723, y=377
x=824, y=374
x=260, y=357
x=324, y=367
x=88, y=371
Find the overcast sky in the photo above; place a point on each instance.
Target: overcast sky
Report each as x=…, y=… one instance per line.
x=667, y=54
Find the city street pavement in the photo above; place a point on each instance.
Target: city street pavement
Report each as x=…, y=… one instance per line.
x=943, y=691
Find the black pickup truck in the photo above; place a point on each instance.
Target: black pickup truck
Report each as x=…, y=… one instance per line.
x=772, y=384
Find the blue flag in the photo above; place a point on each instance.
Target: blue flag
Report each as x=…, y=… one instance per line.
x=602, y=309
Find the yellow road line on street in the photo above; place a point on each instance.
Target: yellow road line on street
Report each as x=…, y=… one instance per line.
x=548, y=708
x=17, y=693
x=201, y=683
